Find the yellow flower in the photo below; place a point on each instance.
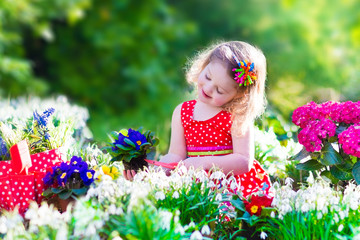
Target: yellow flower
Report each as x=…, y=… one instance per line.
x=113, y=172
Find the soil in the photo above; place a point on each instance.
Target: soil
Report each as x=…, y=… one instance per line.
x=136, y=164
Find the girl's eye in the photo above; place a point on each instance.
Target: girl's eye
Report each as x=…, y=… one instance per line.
x=206, y=76
x=218, y=91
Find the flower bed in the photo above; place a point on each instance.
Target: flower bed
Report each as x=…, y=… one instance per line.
x=185, y=205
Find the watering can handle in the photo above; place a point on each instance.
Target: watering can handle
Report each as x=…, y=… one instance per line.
x=162, y=164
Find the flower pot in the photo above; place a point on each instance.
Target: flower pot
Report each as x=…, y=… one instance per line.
x=136, y=164
x=60, y=204
x=63, y=204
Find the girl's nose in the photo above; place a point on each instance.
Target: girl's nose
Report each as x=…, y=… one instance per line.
x=208, y=88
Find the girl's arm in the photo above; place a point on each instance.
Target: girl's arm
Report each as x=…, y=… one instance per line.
x=177, y=149
x=239, y=162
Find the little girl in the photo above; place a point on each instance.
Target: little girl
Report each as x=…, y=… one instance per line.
x=217, y=128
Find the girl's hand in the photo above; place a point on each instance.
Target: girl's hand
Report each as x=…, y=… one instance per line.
x=129, y=174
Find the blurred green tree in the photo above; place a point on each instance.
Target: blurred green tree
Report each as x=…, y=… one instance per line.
x=17, y=20
x=124, y=59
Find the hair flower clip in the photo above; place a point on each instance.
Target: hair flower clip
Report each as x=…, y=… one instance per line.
x=245, y=74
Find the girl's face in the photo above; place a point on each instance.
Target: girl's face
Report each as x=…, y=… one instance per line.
x=215, y=86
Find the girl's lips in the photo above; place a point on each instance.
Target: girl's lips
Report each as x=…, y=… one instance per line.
x=205, y=95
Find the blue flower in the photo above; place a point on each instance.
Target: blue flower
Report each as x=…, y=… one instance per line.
x=137, y=138
x=75, y=160
x=47, y=136
x=72, y=170
x=48, y=179
x=43, y=118
x=62, y=178
x=87, y=176
x=47, y=113
x=64, y=166
x=3, y=149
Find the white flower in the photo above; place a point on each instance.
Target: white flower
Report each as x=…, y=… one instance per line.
x=3, y=227
x=117, y=238
x=165, y=219
x=217, y=175
x=218, y=197
x=340, y=228
x=196, y=236
x=205, y=230
x=272, y=214
x=289, y=181
x=263, y=235
x=159, y=195
x=175, y=195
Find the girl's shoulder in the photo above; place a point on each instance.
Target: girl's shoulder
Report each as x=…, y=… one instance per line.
x=184, y=108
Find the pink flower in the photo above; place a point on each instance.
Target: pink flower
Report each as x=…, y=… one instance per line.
x=350, y=140
x=304, y=114
x=312, y=135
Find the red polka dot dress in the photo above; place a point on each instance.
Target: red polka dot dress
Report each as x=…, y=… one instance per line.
x=212, y=137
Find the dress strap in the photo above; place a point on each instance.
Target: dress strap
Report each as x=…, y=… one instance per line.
x=187, y=111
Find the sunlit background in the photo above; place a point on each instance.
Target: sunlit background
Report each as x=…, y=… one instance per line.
x=124, y=60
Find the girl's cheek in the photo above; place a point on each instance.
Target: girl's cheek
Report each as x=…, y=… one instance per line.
x=219, y=101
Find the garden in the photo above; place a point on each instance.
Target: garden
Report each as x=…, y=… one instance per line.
x=81, y=193
x=87, y=89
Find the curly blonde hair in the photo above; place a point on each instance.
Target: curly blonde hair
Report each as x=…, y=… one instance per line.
x=250, y=101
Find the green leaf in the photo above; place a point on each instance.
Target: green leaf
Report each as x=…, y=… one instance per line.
x=65, y=194
x=340, y=129
x=80, y=191
x=266, y=211
x=128, y=141
x=47, y=193
x=300, y=155
x=356, y=172
x=346, y=166
x=330, y=156
x=238, y=204
x=122, y=147
x=340, y=174
x=310, y=165
x=327, y=176
x=246, y=217
x=57, y=190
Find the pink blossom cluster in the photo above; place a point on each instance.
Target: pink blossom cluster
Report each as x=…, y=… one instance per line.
x=319, y=121
x=345, y=112
x=311, y=136
x=350, y=140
